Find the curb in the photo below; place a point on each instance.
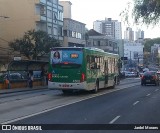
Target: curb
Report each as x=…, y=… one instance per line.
x=22, y=90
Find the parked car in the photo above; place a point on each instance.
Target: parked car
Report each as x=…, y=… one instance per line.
x=12, y=76
x=130, y=74
x=141, y=74
x=158, y=73
x=150, y=77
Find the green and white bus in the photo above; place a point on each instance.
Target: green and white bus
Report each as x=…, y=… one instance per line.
x=75, y=68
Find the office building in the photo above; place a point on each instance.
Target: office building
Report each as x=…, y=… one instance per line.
x=25, y=15
x=108, y=27
x=74, y=31
x=129, y=35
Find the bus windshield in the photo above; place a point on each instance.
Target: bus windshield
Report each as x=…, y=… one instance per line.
x=66, y=58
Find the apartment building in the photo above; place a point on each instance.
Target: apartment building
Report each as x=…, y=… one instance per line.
x=139, y=34
x=129, y=34
x=74, y=31
x=110, y=28
x=67, y=8
x=24, y=15
x=101, y=41
x=134, y=52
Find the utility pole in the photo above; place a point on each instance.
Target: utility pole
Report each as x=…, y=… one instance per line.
x=130, y=57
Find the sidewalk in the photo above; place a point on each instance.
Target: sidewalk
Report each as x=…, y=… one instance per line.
x=7, y=91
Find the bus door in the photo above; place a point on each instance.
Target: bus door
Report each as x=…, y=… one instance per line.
x=106, y=71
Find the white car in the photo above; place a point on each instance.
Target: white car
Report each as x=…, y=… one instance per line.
x=130, y=74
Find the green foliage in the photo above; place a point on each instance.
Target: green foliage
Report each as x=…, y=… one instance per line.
x=34, y=44
x=147, y=11
x=150, y=42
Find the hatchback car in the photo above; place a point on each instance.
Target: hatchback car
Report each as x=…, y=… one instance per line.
x=12, y=76
x=150, y=77
x=130, y=74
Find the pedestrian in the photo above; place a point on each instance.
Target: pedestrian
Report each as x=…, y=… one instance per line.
x=7, y=81
x=46, y=75
x=43, y=76
x=30, y=78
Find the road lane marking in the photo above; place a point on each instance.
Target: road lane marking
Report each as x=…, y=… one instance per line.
x=156, y=89
x=63, y=105
x=135, y=103
x=148, y=95
x=116, y=118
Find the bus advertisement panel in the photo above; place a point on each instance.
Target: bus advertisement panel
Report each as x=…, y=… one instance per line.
x=66, y=56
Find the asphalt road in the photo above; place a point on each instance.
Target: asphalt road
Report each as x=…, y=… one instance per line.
x=134, y=105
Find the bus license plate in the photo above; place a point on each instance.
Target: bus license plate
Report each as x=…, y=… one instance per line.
x=147, y=80
x=65, y=85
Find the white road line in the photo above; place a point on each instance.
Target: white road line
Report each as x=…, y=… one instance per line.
x=156, y=89
x=116, y=118
x=148, y=95
x=53, y=108
x=135, y=103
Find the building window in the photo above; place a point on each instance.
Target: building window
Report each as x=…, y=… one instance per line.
x=55, y=31
x=74, y=34
x=49, y=30
x=49, y=13
x=60, y=31
x=70, y=33
x=55, y=17
x=55, y=2
x=65, y=33
x=43, y=10
x=94, y=43
x=60, y=15
x=99, y=43
x=49, y=1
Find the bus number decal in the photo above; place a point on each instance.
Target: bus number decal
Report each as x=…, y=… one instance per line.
x=76, y=81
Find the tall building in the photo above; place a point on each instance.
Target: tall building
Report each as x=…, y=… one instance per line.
x=97, y=26
x=129, y=34
x=139, y=34
x=101, y=41
x=24, y=15
x=67, y=9
x=110, y=28
x=74, y=31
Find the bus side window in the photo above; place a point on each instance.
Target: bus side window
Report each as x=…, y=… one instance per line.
x=92, y=62
x=88, y=62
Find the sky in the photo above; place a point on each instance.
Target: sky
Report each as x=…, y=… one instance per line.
x=88, y=11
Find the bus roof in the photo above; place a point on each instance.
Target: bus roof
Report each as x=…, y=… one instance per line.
x=87, y=48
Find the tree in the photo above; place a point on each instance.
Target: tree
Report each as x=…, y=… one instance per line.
x=34, y=44
x=143, y=12
x=147, y=11
x=150, y=42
